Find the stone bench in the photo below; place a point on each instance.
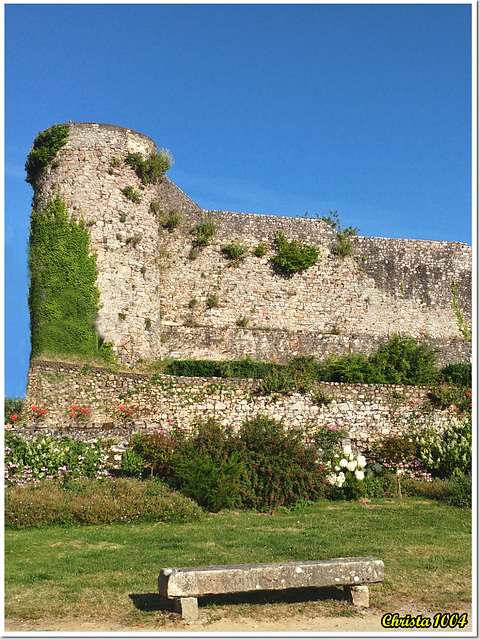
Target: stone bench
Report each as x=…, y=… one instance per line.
x=184, y=585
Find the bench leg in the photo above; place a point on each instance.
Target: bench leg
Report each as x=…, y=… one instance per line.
x=358, y=596
x=186, y=607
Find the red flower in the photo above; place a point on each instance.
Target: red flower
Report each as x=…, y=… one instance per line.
x=469, y=404
x=34, y=408
x=454, y=408
x=43, y=411
x=14, y=417
x=122, y=408
x=412, y=401
x=468, y=393
x=72, y=415
x=86, y=410
x=75, y=407
x=129, y=411
x=418, y=415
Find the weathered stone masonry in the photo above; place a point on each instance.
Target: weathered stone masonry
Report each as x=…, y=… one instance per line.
x=336, y=306
x=147, y=288
x=366, y=412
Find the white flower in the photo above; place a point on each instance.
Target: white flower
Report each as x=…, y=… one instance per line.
x=337, y=468
x=340, y=479
x=359, y=475
x=332, y=478
x=352, y=465
x=361, y=461
x=347, y=449
x=343, y=462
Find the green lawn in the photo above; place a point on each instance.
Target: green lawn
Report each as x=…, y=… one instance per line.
x=93, y=570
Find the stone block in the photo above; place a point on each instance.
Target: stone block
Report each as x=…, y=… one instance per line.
x=358, y=596
x=186, y=607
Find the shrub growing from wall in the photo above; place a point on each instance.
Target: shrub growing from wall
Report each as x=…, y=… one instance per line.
x=45, y=147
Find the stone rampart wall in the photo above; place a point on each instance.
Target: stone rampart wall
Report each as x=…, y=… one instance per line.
x=367, y=412
x=155, y=298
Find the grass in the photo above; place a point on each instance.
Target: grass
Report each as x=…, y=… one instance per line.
x=90, y=570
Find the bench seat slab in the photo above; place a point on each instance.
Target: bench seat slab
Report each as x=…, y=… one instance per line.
x=221, y=579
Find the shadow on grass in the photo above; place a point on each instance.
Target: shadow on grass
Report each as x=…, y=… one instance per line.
x=154, y=602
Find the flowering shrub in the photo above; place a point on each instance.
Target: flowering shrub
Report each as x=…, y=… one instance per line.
x=446, y=452
x=282, y=470
x=347, y=472
x=46, y=457
x=261, y=467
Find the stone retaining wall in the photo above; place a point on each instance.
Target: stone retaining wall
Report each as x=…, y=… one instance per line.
x=366, y=412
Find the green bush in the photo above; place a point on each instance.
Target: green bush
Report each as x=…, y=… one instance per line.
x=172, y=220
x=461, y=492
x=204, y=232
x=45, y=147
x=293, y=256
x=342, y=246
x=212, y=301
x=400, y=361
x=260, y=250
x=235, y=252
x=115, y=500
x=212, y=482
x=403, y=361
x=131, y=193
x=153, y=169
x=132, y=464
x=459, y=373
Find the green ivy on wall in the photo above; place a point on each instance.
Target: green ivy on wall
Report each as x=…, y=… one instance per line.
x=63, y=297
x=45, y=148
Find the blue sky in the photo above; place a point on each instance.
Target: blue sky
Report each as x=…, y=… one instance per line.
x=269, y=109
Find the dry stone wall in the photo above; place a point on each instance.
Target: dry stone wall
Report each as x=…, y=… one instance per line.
x=366, y=412
x=157, y=301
